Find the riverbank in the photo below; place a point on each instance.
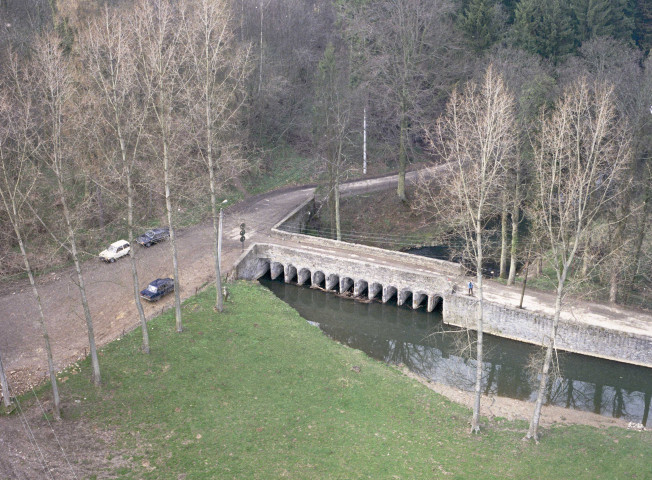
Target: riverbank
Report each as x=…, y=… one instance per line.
x=259, y=393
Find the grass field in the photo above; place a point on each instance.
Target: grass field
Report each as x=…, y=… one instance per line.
x=258, y=393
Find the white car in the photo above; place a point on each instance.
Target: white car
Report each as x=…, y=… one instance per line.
x=116, y=250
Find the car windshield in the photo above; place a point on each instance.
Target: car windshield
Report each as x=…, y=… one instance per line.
x=151, y=288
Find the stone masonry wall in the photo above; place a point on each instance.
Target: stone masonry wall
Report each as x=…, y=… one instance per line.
x=534, y=327
x=290, y=227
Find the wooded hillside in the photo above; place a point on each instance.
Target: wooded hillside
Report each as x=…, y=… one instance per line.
x=113, y=114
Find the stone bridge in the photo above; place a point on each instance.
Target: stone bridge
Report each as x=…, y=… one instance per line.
x=362, y=279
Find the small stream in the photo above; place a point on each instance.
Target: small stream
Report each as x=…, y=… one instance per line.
x=421, y=342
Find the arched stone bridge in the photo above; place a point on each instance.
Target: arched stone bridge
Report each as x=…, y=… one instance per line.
x=347, y=275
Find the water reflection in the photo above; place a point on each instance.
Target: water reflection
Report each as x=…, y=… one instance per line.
x=425, y=345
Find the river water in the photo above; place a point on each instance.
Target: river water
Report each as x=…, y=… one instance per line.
x=421, y=342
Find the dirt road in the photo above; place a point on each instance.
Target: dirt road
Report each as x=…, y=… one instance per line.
x=109, y=286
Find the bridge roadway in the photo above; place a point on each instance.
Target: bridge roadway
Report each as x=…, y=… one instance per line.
x=111, y=301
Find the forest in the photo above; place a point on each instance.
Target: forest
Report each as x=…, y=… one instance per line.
x=120, y=115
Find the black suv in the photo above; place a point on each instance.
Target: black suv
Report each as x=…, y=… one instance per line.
x=150, y=237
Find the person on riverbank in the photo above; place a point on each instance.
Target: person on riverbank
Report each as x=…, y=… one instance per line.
x=470, y=287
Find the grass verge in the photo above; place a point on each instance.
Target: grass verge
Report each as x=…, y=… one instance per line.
x=258, y=393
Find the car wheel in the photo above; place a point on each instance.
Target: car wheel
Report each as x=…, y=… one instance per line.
x=112, y=260
x=148, y=244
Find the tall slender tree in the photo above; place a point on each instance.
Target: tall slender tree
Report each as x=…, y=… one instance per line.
x=579, y=156
x=160, y=56
x=52, y=81
x=409, y=63
x=476, y=137
x=108, y=54
x=18, y=177
x=220, y=71
x=331, y=124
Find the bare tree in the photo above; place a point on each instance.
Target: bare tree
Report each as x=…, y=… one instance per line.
x=476, y=138
x=19, y=175
x=331, y=124
x=159, y=57
x=108, y=55
x=219, y=82
x=579, y=156
x=55, y=90
x=409, y=61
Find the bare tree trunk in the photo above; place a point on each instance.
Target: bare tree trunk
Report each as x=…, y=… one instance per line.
x=173, y=241
x=402, y=158
x=100, y=208
x=6, y=400
x=338, y=228
x=217, y=217
x=503, y=238
x=533, y=431
x=260, y=70
x=364, y=141
x=516, y=214
x=134, y=264
x=81, y=285
x=586, y=258
x=638, y=246
x=41, y=320
x=475, y=420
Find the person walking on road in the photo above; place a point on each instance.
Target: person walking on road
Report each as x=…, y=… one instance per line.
x=470, y=287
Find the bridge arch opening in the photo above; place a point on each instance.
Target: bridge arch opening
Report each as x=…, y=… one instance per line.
x=318, y=280
x=435, y=303
x=290, y=273
x=276, y=269
x=374, y=291
x=405, y=298
x=360, y=288
x=419, y=300
x=303, y=276
x=346, y=285
x=389, y=292
x=333, y=282
x=262, y=269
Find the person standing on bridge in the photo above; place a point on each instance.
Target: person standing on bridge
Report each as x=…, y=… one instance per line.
x=470, y=287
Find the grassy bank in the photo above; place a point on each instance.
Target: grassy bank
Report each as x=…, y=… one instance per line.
x=258, y=393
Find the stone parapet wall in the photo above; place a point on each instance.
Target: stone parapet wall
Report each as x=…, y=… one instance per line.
x=534, y=327
x=293, y=224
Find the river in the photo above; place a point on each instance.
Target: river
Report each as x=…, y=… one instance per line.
x=439, y=352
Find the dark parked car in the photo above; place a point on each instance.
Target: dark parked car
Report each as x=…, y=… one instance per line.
x=150, y=237
x=158, y=288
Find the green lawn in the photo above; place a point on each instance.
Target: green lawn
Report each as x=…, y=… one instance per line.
x=258, y=393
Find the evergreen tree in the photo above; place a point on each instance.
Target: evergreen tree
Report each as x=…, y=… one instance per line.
x=602, y=18
x=544, y=28
x=510, y=9
x=480, y=24
x=643, y=24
